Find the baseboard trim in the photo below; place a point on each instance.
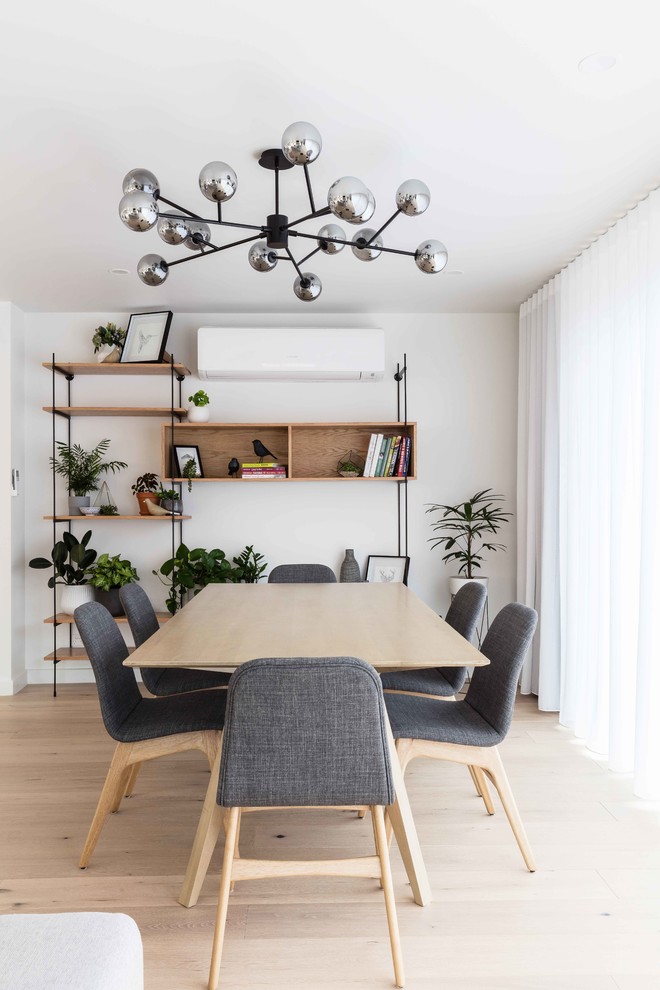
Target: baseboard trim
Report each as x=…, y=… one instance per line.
x=14, y=685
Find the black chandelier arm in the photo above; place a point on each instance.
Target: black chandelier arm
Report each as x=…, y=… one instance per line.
x=175, y=206
x=221, y=223
x=219, y=212
x=309, y=188
x=308, y=256
x=324, y=212
x=386, y=224
x=337, y=240
x=295, y=263
x=277, y=187
x=206, y=248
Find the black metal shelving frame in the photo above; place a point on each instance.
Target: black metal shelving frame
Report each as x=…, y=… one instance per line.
x=175, y=377
x=401, y=379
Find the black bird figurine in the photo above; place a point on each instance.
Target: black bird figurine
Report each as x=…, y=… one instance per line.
x=262, y=451
x=233, y=468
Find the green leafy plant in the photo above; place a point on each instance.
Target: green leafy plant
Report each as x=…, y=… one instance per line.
x=70, y=558
x=110, y=335
x=109, y=510
x=111, y=572
x=349, y=467
x=466, y=528
x=145, y=483
x=200, y=398
x=190, y=471
x=168, y=493
x=83, y=468
x=191, y=570
x=248, y=566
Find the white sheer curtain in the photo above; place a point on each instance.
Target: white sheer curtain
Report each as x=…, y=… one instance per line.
x=589, y=493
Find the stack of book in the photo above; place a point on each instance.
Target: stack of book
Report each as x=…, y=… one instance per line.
x=387, y=457
x=265, y=469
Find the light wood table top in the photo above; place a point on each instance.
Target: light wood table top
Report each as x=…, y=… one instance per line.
x=385, y=624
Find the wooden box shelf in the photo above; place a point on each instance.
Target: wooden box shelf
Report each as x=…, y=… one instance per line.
x=309, y=450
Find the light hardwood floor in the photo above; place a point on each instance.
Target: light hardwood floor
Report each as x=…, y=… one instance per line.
x=589, y=919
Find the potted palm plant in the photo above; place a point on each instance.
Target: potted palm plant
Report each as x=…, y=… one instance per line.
x=108, y=575
x=82, y=470
x=464, y=531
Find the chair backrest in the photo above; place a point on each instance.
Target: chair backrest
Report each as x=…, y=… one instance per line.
x=463, y=614
x=302, y=574
x=119, y=694
x=305, y=731
x=492, y=691
x=144, y=623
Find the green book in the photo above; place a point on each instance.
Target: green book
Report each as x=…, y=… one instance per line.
x=381, y=457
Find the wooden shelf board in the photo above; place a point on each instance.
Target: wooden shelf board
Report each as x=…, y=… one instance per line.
x=149, y=518
x=159, y=411
x=94, y=368
x=251, y=481
x=65, y=619
x=72, y=653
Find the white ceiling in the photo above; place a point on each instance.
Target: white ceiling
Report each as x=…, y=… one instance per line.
x=527, y=159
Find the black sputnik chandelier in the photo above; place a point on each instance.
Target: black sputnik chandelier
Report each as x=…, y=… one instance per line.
x=348, y=199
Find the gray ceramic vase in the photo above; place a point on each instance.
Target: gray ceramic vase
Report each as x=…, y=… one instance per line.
x=350, y=569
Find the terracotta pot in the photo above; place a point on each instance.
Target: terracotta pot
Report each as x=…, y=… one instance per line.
x=143, y=497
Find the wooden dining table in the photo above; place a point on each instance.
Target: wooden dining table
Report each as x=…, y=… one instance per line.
x=385, y=624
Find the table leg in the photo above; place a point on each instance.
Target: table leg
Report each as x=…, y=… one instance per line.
x=206, y=838
x=405, y=832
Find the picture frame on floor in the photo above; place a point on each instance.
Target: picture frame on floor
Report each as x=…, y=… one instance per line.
x=384, y=569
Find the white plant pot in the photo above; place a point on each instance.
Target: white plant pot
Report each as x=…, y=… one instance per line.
x=74, y=595
x=456, y=583
x=108, y=354
x=199, y=414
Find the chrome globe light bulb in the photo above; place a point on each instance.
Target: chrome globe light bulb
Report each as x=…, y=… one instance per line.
x=329, y=246
x=261, y=257
x=412, y=197
x=138, y=210
x=152, y=269
x=173, y=230
x=218, y=182
x=141, y=180
x=350, y=200
x=364, y=251
x=301, y=143
x=199, y=234
x=308, y=287
x=431, y=256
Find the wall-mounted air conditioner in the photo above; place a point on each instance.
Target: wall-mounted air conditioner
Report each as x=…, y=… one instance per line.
x=270, y=355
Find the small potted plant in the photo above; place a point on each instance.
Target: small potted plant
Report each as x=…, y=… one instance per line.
x=199, y=411
x=351, y=465
x=190, y=471
x=108, y=343
x=465, y=530
x=145, y=489
x=171, y=500
x=108, y=575
x=70, y=560
x=82, y=470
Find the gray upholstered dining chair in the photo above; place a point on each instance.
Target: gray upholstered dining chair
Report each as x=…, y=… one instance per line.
x=144, y=728
x=469, y=731
x=305, y=732
x=302, y=574
x=443, y=682
x=162, y=681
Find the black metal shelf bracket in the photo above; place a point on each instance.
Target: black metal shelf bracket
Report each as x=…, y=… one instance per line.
x=401, y=379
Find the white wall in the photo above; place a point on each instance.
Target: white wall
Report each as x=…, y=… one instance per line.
x=12, y=509
x=462, y=392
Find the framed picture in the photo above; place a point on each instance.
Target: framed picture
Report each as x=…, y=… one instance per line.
x=387, y=570
x=183, y=455
x=146, y=336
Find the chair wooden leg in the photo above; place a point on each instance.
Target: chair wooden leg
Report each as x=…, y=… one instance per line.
x=135, y=769
x=237, y=853
x=121, y=790
x=497, y=774
x=361, y=814
x=378, y=819
x=481, y=784
x=223, y=899
x=113, y=787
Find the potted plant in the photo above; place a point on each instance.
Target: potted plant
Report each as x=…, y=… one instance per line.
x=70, y=559
x=351, y=465
x=464, y=532
x=108, y=343
x=191, y=570
x=248, y=566
x=83, y=470
x=108, y=575
x=170, y=499
x=145, y=489
x=190, y=471
x=199, y=411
